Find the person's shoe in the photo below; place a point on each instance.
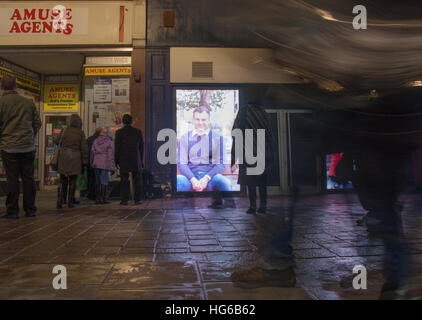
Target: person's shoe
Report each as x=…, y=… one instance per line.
x=216, y=205
x=30, y=214
x=262, y=210
x=251, y=211
x=11, y=216
x=138, y=202
x=59, y=205
x=258, y=277
x=123, y=203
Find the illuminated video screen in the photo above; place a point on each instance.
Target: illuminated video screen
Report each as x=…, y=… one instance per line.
x=332, y=160
x=204, y=124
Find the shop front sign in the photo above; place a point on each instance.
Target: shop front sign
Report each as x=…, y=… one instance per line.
x=108, y=71
x=57, y=20
x=61, y=97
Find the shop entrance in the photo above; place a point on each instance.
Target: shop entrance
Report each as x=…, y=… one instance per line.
x=297, y=162
x=60, y=85
x=53, y=125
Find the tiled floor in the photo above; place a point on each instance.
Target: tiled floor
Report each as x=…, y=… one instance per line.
x=180, y=249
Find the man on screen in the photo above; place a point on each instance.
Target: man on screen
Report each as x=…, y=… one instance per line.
x=200, y=157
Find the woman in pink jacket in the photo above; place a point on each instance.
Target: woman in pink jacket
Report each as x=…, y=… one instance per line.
x=102, y=161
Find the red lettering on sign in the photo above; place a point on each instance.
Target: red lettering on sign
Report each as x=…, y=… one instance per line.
x=47, y=26
x=26, y=29
x=68, y=14
x=29, y=15
x=36, y=27
x=40, y=14
x=15, y=28
x=69, y=28
x=16, y=15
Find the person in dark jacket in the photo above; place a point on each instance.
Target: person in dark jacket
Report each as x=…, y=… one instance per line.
x=253, y=117
x=128, y=156
x=91, y=194
x=72, y=157
x=102, y=161
x=19, y=123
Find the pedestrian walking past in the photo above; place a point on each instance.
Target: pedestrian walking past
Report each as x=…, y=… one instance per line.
x=91, y=193
x=72, y=158
x=102, y=162
x=128, y=155
x=252, y=117
x=19, y=123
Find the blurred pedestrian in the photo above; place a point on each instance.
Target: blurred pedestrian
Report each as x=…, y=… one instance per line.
x=128, y=155
x=19, y=123
x=254, y=118
x=102, y=162
x=72, y=157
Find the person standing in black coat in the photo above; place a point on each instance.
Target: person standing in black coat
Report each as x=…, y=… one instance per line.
x=255, y=118
x=129, y=150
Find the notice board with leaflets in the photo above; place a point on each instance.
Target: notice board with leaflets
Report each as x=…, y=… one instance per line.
x=107, y=98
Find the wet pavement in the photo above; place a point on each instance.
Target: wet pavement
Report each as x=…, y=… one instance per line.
x=180, y=249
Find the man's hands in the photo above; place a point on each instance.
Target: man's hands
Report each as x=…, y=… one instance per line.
x=203, y=183
x=199, y=185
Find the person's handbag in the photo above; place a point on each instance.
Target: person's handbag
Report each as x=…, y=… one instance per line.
x=54, y=163
x=82, y=181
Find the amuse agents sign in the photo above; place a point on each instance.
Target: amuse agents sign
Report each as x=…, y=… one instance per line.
x=57, y=20
x=61, y=97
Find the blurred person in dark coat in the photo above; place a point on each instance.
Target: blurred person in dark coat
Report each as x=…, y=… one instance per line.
x=253, y=117
x=72, y=157
x=129, y=152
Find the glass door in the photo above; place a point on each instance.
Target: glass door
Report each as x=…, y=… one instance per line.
x=54, y=124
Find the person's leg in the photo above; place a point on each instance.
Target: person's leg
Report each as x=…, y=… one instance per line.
x=275, y=265
x=137, y=184
x=26, y=169
x=11, y=165
x=91, y=184
x=262, y=198
x=64, y=180
x=183, y=184
x=97, y=173
x=277, y=254
x=72, y=189
x=252, y=198
x=104, y=184
x=124, y=187
x=59, y=204
x=219, y=183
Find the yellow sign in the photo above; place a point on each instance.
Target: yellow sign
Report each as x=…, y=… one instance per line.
x=61, y=97
x=108, y=71
x=22, y=81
